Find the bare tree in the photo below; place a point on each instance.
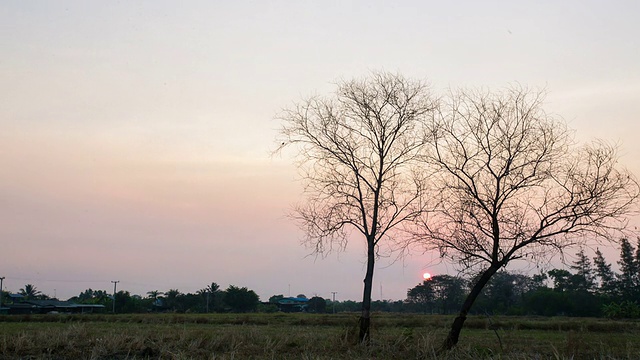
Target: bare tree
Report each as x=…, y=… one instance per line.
x=356, y=152
x=511, y=184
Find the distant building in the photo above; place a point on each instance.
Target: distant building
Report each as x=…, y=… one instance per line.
x=49, y=306
x=15, y=297
x=293, y=304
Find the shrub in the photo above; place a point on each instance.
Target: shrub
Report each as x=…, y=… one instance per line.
x=624, y=310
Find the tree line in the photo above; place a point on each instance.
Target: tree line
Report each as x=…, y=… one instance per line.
x=209, y=299
x=589, y=288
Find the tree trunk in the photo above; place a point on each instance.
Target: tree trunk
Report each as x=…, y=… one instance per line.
x=458, y=322
x=365, y=318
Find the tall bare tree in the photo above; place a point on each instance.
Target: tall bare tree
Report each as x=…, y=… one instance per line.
x=512, y=184
x=356, y=150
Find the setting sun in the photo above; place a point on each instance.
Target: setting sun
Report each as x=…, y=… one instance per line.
x=426, y=276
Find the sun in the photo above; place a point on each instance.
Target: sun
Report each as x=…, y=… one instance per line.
x=426, y=276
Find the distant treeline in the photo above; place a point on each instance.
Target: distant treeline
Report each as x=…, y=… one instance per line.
x=589, y=288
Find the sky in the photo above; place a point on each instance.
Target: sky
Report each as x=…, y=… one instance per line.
x=136, y=137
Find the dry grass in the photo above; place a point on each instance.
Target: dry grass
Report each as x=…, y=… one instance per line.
x=306, y=336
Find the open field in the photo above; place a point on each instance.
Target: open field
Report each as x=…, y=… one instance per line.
x=308, y=336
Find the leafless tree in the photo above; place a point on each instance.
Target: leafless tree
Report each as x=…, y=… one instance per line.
x=511, y=183
x=356, y=151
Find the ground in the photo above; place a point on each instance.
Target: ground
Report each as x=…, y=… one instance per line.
x=309, y=336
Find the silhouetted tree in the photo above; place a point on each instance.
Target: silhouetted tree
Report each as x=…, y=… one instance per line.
x=30, y=292
x=548, y=302
x=510, y=184
x=606, y=276
x=84, y=296
x=90, y=296
x=241, y=299
x=171, y=300
x=561, y=279
x=127, y=303
x=449, y=292
x=155, y=297
x=423, y=296
x=210, y=294
x=4, y=297
x=154, y=294
x=627, y=286
x=317, y=305
x=356, y=153
x=584, y=278
x=538, y=281
x=348, y=306
x=504, y=293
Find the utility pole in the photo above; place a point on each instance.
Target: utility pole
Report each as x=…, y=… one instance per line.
x=115, y=283
x=1, y=280
x=333, y=293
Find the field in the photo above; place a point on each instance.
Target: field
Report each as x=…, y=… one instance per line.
x=308, y=336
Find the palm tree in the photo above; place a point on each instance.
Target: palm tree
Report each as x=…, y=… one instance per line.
x=172, y=298
x=209, y=292
x=212, y=288
x=153, y=294
x=101, y=296
x=30, y=292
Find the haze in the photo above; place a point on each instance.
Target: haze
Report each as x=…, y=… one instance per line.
x=135, y=138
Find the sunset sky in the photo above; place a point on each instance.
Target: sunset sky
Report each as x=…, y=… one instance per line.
x=136, y=137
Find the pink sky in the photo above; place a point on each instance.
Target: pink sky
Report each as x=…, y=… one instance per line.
x=135, y=138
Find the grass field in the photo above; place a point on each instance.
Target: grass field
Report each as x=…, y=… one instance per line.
x=308, y=336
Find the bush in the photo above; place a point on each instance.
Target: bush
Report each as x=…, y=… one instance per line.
x=624, y=310
x=270, y=308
